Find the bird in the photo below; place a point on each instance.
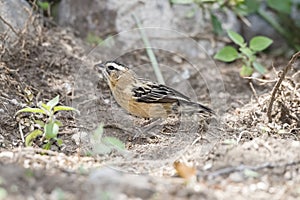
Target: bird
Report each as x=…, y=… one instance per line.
x=143, y=98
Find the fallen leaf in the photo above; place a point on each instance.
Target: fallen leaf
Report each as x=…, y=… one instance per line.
x=184, y=171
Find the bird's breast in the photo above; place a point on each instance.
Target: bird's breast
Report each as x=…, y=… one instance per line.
x=141, y=109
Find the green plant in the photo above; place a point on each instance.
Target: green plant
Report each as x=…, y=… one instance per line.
x=92, y=38
x=44, y=5
x=210, y=6
x=104, y=145
x=48, y=8
x=245, y=53
x=280, y=14
x=49, y=129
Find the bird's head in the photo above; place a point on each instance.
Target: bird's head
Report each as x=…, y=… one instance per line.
x=112, y=70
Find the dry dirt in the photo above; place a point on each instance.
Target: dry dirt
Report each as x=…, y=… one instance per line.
x=240, y=155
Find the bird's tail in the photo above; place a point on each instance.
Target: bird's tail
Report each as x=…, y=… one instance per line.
x=193, y=107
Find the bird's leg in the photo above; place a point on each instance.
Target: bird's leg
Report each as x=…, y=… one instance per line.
x=147, y=126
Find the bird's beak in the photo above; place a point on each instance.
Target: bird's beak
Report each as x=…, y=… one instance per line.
x=99, y=65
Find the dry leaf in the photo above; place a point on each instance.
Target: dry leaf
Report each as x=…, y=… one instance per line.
x=184, y=171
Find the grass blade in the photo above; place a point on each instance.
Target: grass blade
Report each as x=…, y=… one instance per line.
x=150, y=53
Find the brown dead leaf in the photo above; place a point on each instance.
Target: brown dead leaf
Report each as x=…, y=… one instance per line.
x=184, y=171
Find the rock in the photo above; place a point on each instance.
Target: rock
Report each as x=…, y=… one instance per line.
x=91, y=16
x=16, y=14
x=103, y=18
x=116, y=183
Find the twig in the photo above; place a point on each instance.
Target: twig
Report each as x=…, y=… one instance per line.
x=254, y=92
x=241, y=135
x=9, y=25
x=229, y=170
x=277, y=85
x=296, y=74
x=260, y=80
x=116, y=126
x=21, y=133
x=150, y=53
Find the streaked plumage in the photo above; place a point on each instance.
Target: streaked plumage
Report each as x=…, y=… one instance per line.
x=144, y=98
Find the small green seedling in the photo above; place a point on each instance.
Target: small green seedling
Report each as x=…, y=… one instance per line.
x=43, y=5
x=105, y=145
x=92, y=38
x=49, y=129
x=247, y=54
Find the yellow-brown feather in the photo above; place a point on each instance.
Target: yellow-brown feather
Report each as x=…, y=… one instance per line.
x=122, y=94
x=125, y=87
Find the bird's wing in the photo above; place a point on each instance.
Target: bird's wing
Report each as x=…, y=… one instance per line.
x=149, y=92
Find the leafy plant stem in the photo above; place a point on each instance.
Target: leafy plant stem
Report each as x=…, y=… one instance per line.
x=48, y=129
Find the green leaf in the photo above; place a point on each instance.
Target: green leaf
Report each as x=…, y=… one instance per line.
x=31, y=136
x=59, y=123
x=64, y=108
x=261, y=69
x=227, y=54
x=217, y=26
x=248, y=52
x=44, y=106
x=88, y=153
x=40, y=123
x=236, y=38
x=51, y=130
x=182, y=1
x=59, y=141
x=98, y=132
x=92, y=38
x=31, y=110
x=283, y=6
x=252, y=5
x=47, y=146
x=55, y=129
x=247, y=7
x=43, y=5
x=53, y=102
x=250, y=173
x=246, y=71
x=102, y=149
x=114, y=142
x=260, y=43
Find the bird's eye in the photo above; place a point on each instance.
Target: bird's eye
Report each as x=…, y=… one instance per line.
x=110, y=67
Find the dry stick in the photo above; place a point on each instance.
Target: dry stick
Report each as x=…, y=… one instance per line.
x=9, y=25
x=21, y=133
x=277, y=85
x=254, y=92
x=240, y=168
